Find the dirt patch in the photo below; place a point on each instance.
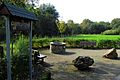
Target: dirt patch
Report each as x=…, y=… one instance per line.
x=63, y=69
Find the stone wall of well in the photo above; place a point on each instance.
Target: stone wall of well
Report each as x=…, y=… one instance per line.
x=57, y=47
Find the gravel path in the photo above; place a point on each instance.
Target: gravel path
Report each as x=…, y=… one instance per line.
x=62, y=68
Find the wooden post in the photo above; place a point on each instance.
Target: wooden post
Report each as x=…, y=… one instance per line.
x=7, y=25
x=30, y=55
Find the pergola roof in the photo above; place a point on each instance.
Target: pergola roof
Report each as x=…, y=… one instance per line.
x=12, y=10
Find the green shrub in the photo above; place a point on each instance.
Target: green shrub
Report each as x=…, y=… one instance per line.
x=102, y=41
x=75, y=43
x=111, y=32
x=20, y=60
x=44, y=42
x=40, y=43
x=108, y=44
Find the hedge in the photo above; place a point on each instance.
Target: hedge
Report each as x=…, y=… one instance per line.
x=75, y=43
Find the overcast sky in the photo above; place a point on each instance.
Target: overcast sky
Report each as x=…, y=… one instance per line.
x=95, y=10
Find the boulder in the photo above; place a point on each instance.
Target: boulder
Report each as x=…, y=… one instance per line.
x=83, y=62
x=111, y=54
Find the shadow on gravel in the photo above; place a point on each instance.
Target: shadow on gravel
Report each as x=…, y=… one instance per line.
x=68, y=53
x=45, y=64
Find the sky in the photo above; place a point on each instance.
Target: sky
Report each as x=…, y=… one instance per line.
x=78, y=10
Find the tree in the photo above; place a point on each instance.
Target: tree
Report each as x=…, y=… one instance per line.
x=71, y=26
x=96, y=28
x=115, y=23
x=77, y=29
x=89, y=27
x=61, y=26
x=85, y=25
x=46, y=25
x=20, y=3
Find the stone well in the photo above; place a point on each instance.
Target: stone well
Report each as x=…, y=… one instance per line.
x=57, y=47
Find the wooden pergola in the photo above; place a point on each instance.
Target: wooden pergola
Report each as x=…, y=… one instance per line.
x=13, y=13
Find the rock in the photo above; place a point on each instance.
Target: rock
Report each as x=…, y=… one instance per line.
x=83, y=62
x=111, y=54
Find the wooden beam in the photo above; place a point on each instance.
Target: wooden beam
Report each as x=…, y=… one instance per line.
x=30, y=55
x=7, y=25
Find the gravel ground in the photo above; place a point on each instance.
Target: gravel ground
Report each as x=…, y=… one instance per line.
x=62, y=68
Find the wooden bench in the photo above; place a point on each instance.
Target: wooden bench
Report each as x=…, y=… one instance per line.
x=87, y=43
x=41, y=57
x=38, y=58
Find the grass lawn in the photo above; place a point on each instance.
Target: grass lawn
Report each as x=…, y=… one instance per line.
x=62, y=68
x=95, y=37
